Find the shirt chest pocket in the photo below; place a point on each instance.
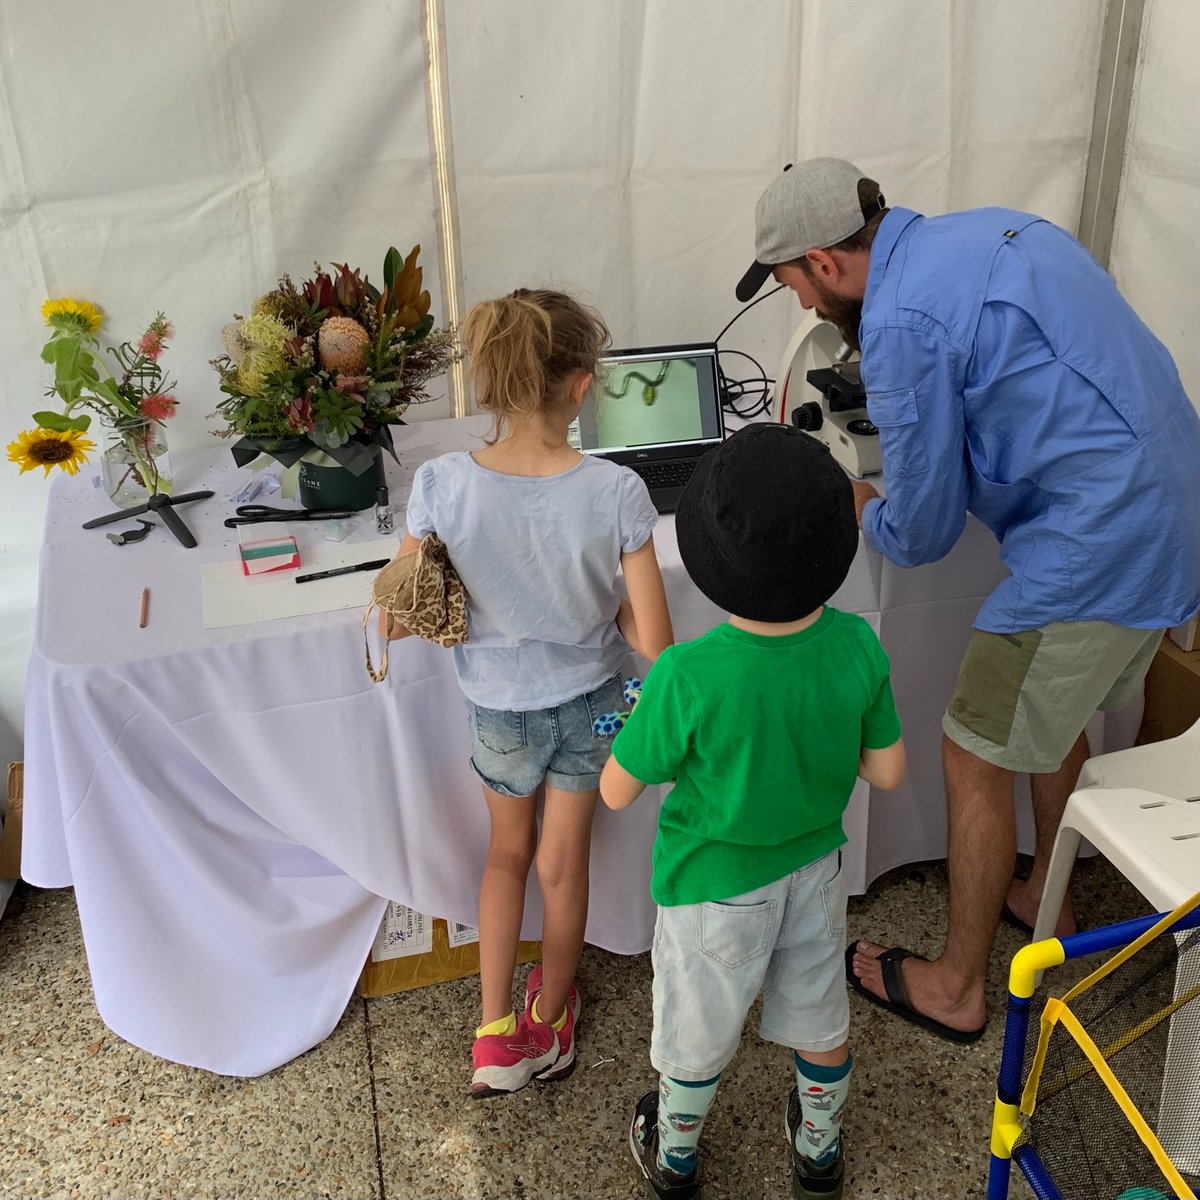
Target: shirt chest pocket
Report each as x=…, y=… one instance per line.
x=899, y=422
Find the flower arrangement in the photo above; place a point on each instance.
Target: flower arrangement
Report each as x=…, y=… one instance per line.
x=131, y=403
x=317, y=372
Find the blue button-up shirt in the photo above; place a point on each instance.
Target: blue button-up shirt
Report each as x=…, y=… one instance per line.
x=1010, y=379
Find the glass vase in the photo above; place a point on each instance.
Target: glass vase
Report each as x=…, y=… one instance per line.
x=134, y=461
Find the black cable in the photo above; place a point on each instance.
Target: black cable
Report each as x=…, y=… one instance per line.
x=746, y=308
x=735, y=390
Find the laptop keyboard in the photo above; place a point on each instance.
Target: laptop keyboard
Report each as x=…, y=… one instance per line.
x=674, y=473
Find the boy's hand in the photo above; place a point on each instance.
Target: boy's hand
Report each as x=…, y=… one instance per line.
x=883, y=768
x=618, y=789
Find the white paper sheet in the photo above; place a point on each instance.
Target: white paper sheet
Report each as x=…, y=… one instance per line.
x=461, y=935
x=231, y=598
x=403, y=933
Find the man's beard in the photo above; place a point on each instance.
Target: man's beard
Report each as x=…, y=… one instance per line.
x=844, y=315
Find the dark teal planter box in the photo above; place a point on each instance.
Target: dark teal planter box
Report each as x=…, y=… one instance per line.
x=336, y=488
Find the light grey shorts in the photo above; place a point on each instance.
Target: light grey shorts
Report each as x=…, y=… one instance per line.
x=1023, y=698
x=711, y=960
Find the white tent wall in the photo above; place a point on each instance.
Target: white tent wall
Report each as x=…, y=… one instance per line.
x=1156, y=243
x=181, y=158
x=616, y=148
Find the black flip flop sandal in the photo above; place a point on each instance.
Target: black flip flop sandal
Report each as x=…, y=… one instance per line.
x=897, y=1001
x=1010, y=918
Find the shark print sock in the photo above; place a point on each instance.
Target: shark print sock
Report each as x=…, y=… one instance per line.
x=823, y=1092
x=682, y=1107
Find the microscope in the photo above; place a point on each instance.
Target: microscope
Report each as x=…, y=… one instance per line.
x=823, y=388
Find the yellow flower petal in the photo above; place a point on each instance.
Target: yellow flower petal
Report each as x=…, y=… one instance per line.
x=49, y=448
x=67, y=313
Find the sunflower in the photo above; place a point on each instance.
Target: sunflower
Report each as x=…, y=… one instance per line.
x=69, y=315
x=50, y=448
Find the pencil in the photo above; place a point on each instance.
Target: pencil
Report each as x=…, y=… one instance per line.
x=145, y=608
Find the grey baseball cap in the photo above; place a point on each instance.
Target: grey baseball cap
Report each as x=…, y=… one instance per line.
x=812, y=204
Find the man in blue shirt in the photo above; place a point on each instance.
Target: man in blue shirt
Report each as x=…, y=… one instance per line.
x=1008, y=379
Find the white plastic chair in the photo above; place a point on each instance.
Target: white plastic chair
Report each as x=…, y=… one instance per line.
x=1140, y=808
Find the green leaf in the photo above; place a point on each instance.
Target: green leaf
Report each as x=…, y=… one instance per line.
x=63, y=352
x=56, y=421
x=106, y=389
x=421, y=329
x=392, y=265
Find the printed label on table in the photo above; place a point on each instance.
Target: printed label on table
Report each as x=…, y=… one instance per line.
x=404, y=932
x=461, y=935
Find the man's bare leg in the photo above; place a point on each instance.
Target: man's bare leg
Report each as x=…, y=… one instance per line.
x=982, y=850
x=1050, y=795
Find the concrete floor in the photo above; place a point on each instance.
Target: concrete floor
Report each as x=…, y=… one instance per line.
x=378, y=1110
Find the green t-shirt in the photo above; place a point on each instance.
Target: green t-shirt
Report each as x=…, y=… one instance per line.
x=762, y=737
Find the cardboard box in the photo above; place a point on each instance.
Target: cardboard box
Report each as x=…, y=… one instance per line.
x=1172, y=693
x=10, y=847
x=413, y=950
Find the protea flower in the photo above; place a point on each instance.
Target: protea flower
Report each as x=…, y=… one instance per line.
x=342, y=345
x=319, y=291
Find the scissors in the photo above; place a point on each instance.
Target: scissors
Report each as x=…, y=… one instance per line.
x=262, y=514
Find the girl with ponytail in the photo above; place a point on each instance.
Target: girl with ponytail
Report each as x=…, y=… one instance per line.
x=537, y=532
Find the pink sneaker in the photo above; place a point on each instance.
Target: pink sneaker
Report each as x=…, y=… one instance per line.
x=507, y=1062
x=566, y=1035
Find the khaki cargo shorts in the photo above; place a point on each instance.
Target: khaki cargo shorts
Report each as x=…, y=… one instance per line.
x=1023, y=698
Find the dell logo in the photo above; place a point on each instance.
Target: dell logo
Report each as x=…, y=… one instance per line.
x=642, y=455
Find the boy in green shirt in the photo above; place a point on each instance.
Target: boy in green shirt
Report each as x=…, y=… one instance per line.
x=764, y=723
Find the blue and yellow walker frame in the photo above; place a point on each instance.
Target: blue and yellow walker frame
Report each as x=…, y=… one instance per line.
x=1014, y=1100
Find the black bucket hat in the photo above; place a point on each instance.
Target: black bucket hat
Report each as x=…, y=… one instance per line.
x=766, y=525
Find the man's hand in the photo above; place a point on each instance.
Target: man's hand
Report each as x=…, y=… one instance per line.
x=862, y=493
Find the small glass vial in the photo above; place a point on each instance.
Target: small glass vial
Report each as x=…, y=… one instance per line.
x=385, y=518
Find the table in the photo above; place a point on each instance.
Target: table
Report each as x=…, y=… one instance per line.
x=233, y=806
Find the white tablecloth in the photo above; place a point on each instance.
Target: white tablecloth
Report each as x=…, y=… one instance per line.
x=233, y=805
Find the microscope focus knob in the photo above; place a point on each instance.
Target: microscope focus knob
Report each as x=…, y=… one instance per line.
x=808, y=416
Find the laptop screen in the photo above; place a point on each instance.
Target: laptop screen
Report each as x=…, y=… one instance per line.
x=660, y=402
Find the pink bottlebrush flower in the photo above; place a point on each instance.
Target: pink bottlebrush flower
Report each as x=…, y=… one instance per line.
x=151, y=345
x=159, y=406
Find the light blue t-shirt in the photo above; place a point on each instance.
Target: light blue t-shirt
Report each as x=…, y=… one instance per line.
x=538, y=557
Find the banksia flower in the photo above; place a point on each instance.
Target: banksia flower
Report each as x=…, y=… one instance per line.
x=342, y=345
x=272, y=303
x=233, y=342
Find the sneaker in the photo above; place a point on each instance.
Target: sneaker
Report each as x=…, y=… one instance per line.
x=643, y=1141
x=566, y=1035
x=809, y=1181
x=507, y=1062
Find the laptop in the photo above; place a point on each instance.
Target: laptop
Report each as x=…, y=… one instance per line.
x=656, y=410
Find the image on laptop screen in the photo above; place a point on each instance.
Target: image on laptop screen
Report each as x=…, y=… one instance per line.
x=665, y=398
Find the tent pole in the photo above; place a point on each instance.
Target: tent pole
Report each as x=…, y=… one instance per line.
x=1119, y=47
x=437, y=97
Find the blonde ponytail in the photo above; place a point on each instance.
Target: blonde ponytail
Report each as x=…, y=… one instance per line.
x=524, y=348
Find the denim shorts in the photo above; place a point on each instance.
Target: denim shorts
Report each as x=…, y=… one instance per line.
x=512, y=752
x=786, y=940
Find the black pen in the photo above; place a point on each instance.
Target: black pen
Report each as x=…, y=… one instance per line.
x=376, y=564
